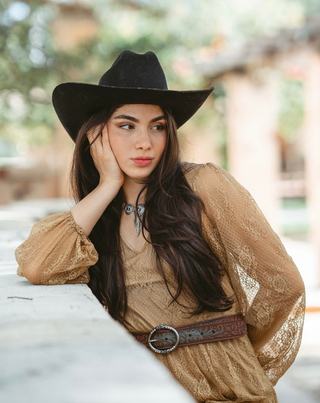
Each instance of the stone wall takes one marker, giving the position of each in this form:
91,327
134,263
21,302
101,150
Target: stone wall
58,345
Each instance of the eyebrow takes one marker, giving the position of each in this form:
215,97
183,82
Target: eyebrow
127,117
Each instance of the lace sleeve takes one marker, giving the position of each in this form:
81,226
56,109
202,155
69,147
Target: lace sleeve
266,282
56,252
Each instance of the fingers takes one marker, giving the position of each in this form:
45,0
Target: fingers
100,149
94,136
105,136
103,143
103,156
94,133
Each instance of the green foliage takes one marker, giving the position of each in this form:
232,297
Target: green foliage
311,7
291,108
27,66
294,217
180,32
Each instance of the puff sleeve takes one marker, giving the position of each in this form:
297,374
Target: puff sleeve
56,252
266,282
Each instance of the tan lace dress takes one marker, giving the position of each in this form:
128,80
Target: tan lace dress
267,286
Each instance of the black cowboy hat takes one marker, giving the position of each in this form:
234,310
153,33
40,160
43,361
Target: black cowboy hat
132,79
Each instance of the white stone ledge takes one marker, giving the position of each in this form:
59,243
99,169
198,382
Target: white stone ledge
60,346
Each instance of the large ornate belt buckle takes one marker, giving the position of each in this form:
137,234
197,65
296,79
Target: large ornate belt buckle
165,350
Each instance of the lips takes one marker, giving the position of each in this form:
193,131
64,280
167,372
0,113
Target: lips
142,161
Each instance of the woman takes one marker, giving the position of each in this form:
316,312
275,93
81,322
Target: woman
164,243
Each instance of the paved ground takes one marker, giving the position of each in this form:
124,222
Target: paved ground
301,384
302,381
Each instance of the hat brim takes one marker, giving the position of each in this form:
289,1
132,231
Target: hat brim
75,103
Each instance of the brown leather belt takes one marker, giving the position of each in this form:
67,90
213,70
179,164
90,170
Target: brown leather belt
163,339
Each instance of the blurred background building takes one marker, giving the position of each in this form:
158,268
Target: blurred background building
262,123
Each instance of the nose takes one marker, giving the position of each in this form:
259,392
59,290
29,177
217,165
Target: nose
143,140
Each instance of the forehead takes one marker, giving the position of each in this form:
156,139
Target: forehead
139,110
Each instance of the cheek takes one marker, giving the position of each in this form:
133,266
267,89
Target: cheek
162,144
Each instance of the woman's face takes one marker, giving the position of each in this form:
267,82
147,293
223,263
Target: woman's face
137,135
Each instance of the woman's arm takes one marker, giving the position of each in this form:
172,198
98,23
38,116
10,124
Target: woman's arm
58,250
87,212
266,281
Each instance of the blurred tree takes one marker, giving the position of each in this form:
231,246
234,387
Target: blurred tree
180,32
311,8
27,68
31,66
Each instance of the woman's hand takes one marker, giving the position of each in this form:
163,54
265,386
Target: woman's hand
104,158
87,212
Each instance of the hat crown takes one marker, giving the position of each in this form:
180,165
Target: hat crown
132,79
133,70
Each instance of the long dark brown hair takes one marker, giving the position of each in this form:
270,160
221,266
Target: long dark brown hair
172,218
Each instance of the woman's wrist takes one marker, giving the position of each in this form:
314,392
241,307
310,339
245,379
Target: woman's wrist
88,211
110,187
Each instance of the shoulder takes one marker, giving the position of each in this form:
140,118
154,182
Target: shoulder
216,187
204,175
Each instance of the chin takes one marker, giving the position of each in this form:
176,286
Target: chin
139,172
136,176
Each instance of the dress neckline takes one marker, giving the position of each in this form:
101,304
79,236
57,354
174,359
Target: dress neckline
130,247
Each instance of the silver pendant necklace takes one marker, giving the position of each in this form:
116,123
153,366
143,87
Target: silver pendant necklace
137,216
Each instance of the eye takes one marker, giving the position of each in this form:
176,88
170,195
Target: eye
159,127
126,126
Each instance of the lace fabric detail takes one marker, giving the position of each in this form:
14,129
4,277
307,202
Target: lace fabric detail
267,287
139,267
56,252
267,283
